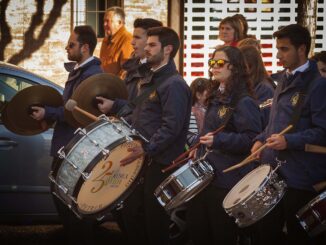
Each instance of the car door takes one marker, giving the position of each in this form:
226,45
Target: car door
24,163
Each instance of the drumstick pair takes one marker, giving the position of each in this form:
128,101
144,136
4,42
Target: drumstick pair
252,157
182,158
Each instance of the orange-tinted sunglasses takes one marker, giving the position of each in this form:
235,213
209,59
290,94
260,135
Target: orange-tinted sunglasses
220,62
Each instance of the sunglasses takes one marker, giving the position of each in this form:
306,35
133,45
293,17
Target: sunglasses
220,63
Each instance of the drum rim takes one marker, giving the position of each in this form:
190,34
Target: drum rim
262,184
123,196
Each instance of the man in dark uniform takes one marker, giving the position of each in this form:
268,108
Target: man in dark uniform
163,119
301,170
80,48
135,67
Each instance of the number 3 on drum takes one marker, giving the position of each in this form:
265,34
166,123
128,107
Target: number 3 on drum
101,177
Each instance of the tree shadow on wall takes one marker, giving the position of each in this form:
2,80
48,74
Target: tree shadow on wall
31,43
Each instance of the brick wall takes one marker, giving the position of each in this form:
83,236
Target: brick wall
48,60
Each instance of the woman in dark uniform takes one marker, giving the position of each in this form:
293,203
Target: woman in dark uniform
207,221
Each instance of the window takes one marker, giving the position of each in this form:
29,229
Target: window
91,12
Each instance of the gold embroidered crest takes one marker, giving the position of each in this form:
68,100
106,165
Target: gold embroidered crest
152,95
294,99
222,111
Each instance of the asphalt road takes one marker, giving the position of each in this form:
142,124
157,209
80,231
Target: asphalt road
51,235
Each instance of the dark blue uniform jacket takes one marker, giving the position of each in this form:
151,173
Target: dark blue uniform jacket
302,169
63,132
233,144
163,118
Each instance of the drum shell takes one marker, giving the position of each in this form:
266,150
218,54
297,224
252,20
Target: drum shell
260,202
184,184
312,216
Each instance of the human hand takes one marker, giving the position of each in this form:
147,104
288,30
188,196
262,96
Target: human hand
207,139
38,113
276,142
104,105
135,152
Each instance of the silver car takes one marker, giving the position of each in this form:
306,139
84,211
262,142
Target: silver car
24,160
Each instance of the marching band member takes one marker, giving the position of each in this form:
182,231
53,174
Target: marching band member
301,170
207,221
163,119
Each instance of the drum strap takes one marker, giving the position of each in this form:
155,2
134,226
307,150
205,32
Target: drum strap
128,108
304,90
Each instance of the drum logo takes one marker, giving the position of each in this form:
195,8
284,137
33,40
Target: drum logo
107,177
294,99
222,111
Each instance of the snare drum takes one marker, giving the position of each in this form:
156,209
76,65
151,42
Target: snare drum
184,184
254,196
312,217
88,177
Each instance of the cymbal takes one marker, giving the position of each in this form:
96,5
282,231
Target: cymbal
16,114
103,84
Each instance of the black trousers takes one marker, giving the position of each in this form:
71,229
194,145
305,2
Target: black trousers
78,231
145,221
281,226
207,221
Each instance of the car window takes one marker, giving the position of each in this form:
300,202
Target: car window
9,86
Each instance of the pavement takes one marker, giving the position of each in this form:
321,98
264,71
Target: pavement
53,235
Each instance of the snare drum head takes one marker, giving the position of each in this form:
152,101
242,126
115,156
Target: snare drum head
108,180
246,186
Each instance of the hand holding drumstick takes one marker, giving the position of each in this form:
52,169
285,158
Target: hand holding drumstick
275,141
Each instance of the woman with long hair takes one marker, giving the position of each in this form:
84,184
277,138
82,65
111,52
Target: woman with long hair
262,83
230,97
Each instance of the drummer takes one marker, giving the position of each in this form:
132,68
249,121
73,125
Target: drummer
80,48
301,170
207,221
162,118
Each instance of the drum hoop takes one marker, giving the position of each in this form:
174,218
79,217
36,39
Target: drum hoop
123,195
252,194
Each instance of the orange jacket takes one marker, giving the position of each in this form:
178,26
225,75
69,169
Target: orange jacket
114,53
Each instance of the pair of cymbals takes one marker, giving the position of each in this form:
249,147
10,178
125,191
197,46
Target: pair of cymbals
16,113
105,85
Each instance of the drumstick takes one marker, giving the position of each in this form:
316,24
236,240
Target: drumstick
315,148
320,186
72,105
251,157
180,159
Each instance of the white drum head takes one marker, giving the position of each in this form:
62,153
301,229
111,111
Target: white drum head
108,180
246,186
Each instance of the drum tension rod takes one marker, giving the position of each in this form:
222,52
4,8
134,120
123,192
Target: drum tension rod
62,155
94,142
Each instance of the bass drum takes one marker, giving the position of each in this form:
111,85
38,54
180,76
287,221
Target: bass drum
89,178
